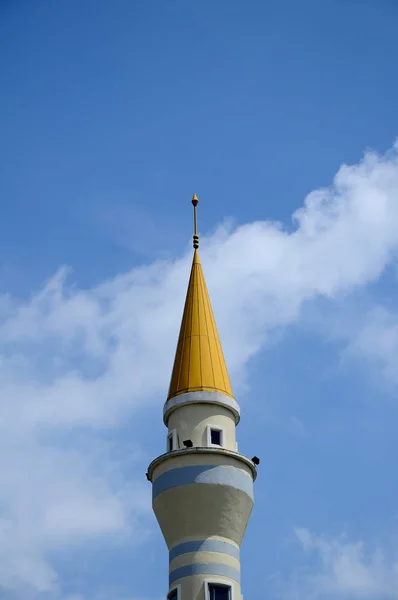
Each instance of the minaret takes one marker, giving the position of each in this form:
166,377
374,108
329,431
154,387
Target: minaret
202,487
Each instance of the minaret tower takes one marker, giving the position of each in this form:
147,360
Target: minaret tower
202,487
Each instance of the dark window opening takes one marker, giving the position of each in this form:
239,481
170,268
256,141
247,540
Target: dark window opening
173,595
219,592
170,446
215,437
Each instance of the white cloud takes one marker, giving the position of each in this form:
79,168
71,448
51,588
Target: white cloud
376,342
53,497
83,360
342,570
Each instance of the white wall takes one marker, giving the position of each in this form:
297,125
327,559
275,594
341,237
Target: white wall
191,421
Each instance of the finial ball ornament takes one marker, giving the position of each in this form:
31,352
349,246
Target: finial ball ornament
195,200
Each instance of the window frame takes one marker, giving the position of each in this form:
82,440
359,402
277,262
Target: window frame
172,435
209,582
175,588
222,436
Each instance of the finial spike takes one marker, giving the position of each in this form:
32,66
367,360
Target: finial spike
195,202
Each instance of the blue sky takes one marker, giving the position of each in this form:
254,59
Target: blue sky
111,115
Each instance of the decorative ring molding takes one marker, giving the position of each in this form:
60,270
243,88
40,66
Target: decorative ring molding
201,398
201,450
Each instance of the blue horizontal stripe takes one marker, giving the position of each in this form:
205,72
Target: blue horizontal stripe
208,474
205,569
204,546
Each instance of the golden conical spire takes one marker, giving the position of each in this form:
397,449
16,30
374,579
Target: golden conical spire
199,363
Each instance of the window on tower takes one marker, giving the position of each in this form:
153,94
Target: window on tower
173,595
217,591
216,437
172,441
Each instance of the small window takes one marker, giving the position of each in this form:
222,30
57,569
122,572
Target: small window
217,591
172,441
216,437
173,595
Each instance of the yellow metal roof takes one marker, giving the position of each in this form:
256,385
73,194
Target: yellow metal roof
199,363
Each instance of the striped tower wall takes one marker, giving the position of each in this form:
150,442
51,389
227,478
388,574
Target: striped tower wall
202,496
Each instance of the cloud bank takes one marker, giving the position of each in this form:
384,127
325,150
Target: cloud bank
77,362
342,569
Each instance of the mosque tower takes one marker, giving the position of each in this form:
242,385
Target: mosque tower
202,487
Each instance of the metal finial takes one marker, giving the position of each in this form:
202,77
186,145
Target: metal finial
195,203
